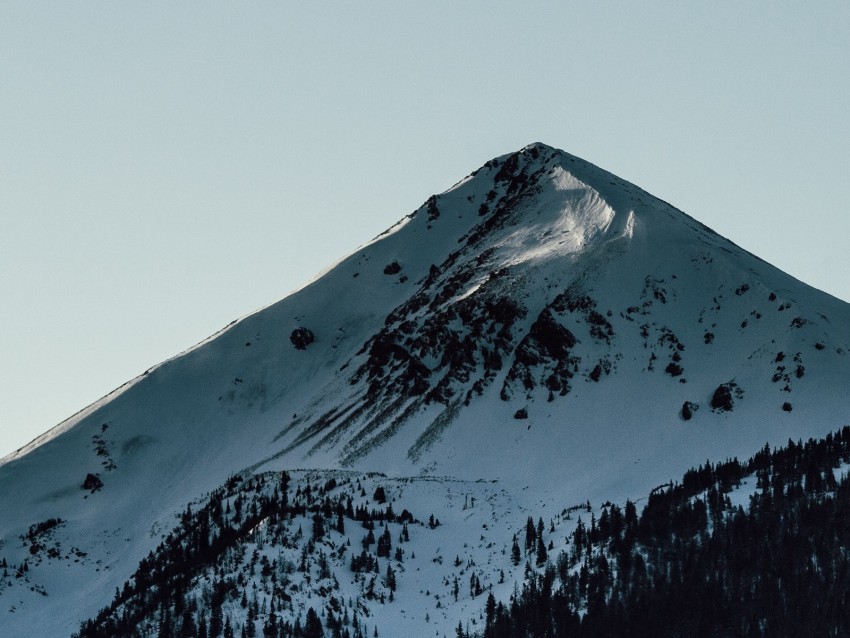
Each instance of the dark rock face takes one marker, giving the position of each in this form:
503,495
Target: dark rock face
548,343
301,338
553,338
462,337
433,210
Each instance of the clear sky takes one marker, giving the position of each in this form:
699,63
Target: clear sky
168,167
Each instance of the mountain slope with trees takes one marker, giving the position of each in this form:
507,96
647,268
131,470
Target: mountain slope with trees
696,563
755,548
540,337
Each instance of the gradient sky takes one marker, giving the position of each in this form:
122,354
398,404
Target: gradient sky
168,167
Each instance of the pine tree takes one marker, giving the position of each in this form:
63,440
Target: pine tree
187,627
270,628
166,629
541,551
530,536
489,613
385,543
216,621
250,629
390,578
515,553
313,625
318,526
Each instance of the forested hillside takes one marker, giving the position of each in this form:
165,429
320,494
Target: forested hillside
695,562
755,548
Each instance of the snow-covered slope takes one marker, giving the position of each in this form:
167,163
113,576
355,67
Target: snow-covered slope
543,325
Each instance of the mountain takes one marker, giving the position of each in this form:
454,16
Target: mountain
541,336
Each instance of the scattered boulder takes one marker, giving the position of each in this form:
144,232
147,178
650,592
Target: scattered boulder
688,410
674,369
787,407
520,414
722,400
301,338
596,373
92,483
392,268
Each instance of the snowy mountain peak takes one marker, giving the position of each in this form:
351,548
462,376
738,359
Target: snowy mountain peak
542,326
548,272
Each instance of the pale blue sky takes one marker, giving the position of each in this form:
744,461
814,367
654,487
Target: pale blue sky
168,167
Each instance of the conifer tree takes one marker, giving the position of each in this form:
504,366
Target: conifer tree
541,551
515,553
313,625
530,535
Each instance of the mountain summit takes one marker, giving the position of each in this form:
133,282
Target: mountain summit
543,326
